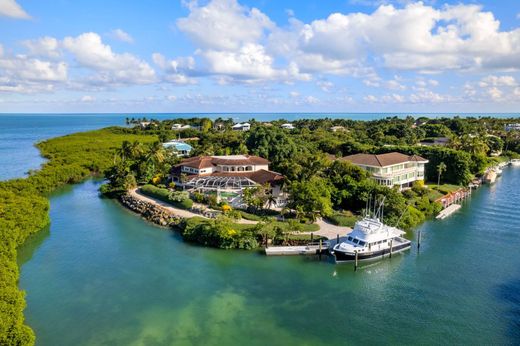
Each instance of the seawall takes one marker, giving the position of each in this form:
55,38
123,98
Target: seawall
150,212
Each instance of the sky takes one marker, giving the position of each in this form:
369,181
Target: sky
108,56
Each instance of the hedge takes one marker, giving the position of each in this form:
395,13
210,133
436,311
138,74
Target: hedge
164,195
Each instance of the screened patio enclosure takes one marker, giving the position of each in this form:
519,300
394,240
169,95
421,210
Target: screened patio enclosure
219,183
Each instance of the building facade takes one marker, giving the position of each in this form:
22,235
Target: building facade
228,176
392,168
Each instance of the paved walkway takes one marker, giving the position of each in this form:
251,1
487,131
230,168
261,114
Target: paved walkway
176,211
331,231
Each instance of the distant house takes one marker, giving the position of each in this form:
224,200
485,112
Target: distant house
287,126
392,168
513,127
146,124
242,127
181,148
337,128
179,127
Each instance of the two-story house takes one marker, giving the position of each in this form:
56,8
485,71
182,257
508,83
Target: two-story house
227,175
392,168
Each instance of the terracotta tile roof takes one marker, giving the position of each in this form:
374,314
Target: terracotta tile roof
382,160
209,161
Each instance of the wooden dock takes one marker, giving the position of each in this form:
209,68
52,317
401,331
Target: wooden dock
310,249
448,211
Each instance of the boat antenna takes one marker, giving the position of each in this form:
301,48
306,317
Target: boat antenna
379,213
400,217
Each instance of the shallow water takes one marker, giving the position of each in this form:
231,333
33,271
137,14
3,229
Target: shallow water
103,276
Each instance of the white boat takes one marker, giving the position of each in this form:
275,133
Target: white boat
515,162
370,239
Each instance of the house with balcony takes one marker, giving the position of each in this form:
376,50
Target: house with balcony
392,168
227,176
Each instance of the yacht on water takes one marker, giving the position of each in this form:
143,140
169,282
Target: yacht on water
371,239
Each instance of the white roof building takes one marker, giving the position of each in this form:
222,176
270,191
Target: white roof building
287,126
242,127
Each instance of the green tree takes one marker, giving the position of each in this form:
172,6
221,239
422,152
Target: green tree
441,168
311,197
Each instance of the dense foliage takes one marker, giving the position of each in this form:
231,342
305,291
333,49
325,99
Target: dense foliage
24,210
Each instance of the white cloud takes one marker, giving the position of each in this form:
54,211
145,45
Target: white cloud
416,37
171,98
120,35
325,85
311,100
294,94
113,68
10,8
224,25
495,93
88,98
370,98
491,80
45,47
176,71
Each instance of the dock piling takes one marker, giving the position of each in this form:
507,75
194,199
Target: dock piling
391,247
419,240
337,238
356,263
319,251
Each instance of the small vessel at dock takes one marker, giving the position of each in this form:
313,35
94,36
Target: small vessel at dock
515,162
370,239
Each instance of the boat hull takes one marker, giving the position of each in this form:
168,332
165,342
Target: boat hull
341,256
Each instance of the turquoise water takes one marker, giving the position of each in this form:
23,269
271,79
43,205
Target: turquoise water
99,275
102,276
18,132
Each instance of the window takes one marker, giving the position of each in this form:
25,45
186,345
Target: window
249,168
240,169
349,238
356,241
362,243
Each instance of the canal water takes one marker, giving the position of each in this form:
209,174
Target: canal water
102,276
99,275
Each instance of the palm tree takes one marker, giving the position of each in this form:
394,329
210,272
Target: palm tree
441,168
155,155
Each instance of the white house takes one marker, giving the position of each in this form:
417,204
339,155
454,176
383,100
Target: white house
228,176
179,127
242,127
337,128
392,168
287,126
513,127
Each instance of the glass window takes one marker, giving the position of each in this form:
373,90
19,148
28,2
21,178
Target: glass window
356,241
349,238
362,243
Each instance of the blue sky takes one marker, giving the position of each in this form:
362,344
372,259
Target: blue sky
271,56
